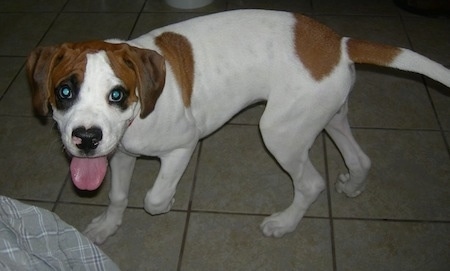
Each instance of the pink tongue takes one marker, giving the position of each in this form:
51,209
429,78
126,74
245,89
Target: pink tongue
88,173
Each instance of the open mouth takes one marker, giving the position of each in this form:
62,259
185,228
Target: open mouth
87,169
88,173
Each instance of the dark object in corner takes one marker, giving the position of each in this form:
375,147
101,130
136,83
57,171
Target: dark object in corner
429,8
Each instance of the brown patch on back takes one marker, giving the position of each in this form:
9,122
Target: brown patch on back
178,52
366,52
317,46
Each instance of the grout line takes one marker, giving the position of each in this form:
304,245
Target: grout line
214,212
58,13
12,81
436,115
427,88
311,5
92,204
330,206
392,220
137,20
403,23
324,14
396,129
58,198
7,89
341,218
188,212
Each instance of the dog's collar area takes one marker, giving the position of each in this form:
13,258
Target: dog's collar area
122,149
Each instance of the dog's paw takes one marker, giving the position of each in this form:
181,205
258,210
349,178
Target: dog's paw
156,208
277,225
101,228
344,185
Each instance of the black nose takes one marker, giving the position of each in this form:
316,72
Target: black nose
87,139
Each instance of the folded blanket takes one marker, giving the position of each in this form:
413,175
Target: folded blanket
33,238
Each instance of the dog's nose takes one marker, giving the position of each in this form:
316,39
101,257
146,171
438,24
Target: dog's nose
87,139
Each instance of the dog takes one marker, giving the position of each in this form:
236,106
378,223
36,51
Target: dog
159,94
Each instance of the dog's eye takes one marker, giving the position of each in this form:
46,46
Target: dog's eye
65,92
116,95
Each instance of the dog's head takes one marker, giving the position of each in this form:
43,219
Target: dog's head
95,90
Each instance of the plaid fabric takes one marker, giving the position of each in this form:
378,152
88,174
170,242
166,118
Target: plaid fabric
32,238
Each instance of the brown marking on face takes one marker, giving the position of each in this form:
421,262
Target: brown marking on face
317,46
123,70
361,51
140,69
178,52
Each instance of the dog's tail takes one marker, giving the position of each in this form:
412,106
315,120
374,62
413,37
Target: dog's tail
365,52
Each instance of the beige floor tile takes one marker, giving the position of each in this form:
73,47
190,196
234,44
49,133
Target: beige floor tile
355,7
441,100
73,27
143,242
250,115
234,242
21,32
32,165
408,179
430,37
17,101
9,67
237,174
390,99
380,245
32,6
149,21
294,6
104,6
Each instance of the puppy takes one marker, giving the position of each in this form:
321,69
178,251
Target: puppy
158,94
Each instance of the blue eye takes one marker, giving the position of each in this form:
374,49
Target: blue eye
65,92
116,95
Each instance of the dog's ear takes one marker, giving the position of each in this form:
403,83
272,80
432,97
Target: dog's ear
39,65
150,70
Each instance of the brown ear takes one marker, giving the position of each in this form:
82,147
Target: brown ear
38,68
150,70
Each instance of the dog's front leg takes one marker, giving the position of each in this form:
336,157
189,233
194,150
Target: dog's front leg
160,198
106,224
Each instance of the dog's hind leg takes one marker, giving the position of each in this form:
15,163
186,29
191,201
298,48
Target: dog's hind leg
306,190
291,149
358,163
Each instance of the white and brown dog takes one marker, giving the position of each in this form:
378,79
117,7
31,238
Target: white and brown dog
159,94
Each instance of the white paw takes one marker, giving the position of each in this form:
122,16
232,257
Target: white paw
343,184
156,208
277,225
102,227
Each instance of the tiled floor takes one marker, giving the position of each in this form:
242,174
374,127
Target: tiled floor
401,222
